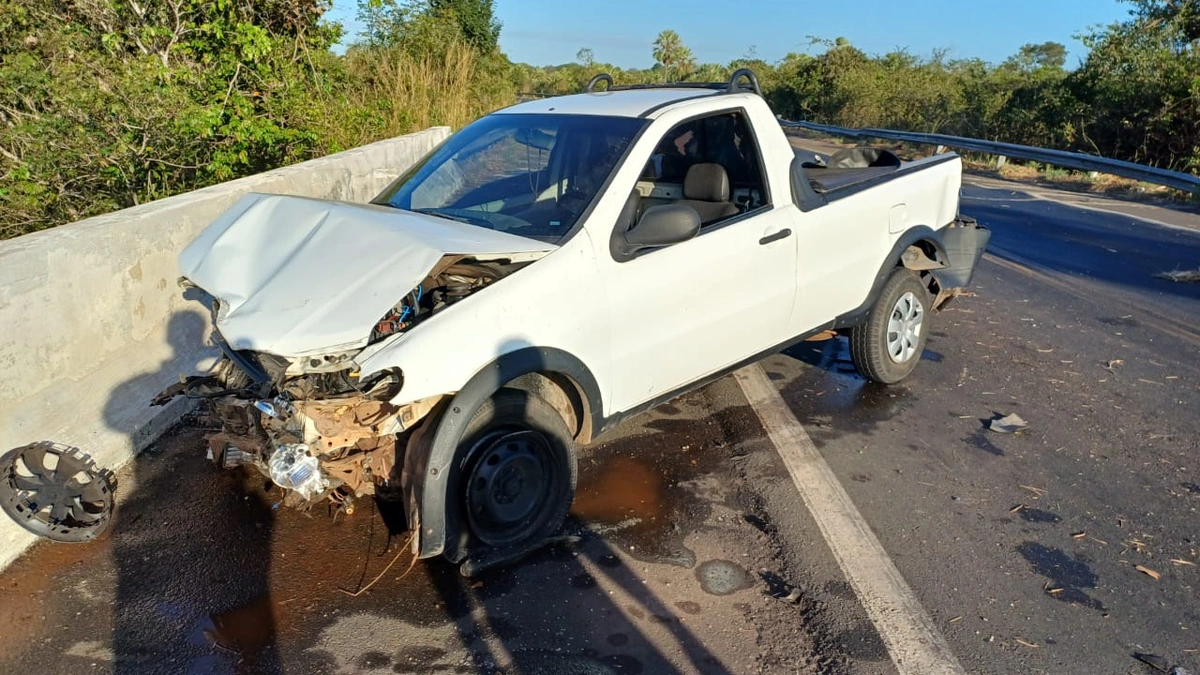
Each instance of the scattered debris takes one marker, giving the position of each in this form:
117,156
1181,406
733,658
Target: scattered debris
1181,276
1181,561
1016,508
1040,492
955,619
1148,572
1027,644
1009,424
1139,546
1098,541
1153,660
1079,535
1112,365
403,547
793,597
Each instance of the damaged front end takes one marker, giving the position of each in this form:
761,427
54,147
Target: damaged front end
319,281
320,437
314,425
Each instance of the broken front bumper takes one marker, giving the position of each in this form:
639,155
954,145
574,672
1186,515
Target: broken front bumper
311,437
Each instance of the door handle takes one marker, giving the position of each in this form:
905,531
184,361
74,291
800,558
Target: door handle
782,234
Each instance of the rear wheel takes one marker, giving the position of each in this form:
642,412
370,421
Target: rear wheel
518,472
887,346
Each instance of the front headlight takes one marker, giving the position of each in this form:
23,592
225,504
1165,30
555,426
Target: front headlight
323,363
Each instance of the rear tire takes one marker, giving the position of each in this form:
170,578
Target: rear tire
888,345
518,472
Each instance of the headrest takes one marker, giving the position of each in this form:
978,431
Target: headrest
706,182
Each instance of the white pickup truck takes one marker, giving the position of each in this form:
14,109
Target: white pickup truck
550,270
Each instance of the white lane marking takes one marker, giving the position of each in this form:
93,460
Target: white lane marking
915,644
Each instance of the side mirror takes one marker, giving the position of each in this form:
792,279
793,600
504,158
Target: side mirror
659,226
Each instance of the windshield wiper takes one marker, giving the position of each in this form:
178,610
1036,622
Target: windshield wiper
438,213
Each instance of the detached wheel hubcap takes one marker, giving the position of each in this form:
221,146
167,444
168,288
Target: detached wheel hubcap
904,328
56,491
508,486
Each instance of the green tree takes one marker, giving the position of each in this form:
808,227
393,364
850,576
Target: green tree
109,104
1184,14
675,58
1138,91
423,26
1048,55
476,21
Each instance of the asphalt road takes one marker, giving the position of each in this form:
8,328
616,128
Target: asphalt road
692,551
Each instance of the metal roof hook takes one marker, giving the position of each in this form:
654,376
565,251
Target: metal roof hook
739,74
602,77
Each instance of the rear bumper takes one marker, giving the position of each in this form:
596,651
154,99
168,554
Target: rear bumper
964,242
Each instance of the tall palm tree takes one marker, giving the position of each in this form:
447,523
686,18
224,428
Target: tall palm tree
676,59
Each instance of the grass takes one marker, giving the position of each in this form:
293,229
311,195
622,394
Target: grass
396,92
1076,181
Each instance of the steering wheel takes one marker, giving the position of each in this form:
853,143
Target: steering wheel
573,201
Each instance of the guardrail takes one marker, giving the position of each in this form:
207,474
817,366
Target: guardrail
1070,160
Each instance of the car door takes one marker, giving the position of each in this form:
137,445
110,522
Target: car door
684,311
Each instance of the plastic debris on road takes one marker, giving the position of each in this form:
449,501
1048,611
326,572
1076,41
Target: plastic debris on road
1009,424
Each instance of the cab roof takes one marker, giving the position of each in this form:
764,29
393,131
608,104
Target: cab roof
619,103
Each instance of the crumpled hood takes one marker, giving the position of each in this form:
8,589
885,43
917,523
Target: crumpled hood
299,276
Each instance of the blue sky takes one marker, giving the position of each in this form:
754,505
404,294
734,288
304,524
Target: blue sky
546,32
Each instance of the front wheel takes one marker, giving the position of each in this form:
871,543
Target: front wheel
518,472
887,346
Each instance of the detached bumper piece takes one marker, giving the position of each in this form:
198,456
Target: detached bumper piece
964,240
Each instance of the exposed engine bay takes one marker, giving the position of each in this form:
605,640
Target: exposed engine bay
450,281
317,427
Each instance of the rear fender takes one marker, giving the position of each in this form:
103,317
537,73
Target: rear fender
895,258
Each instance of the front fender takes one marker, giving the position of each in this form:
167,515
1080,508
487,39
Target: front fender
438,515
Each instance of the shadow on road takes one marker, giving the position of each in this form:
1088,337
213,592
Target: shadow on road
558,613
210,578
191,551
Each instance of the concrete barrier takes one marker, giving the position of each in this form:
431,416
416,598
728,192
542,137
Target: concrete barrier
92,323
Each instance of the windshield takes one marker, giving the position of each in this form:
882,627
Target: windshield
529,175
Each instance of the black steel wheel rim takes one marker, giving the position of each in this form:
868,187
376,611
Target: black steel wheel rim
56,491
512,480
